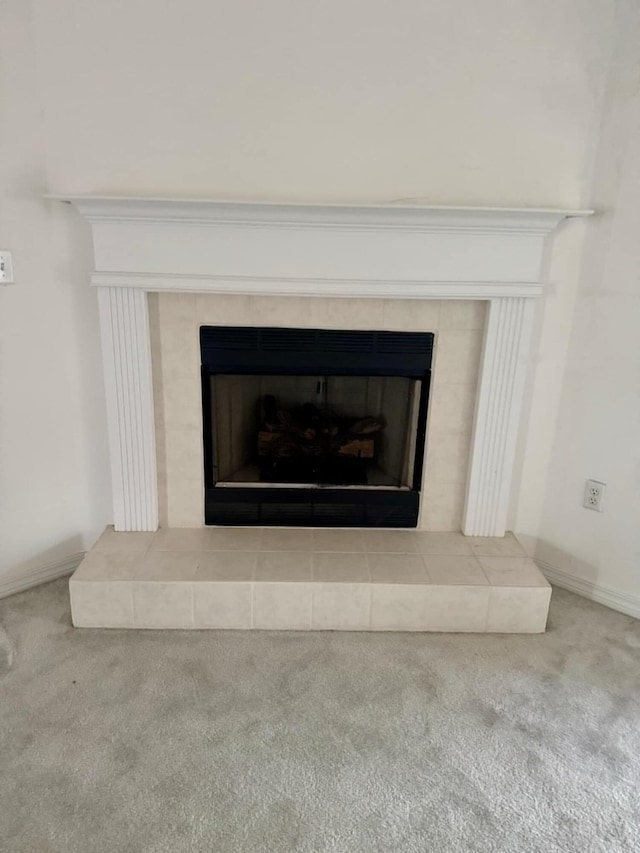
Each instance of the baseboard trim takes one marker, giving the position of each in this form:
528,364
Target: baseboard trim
624,602
34,577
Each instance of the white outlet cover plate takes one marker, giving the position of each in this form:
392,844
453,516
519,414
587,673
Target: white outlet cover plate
594,495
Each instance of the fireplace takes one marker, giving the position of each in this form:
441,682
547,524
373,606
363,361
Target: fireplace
314,427
317,324
395,263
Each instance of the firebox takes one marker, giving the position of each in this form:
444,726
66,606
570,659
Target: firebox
314,427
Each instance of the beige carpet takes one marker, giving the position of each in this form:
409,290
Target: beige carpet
349,743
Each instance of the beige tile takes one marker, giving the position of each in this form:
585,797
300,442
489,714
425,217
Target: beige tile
161,451
461,608
345,313
458,356
399,608
512,571
153,303
443,544
214,309
496,546
182,402
397,568
335,567
330,539
340,607
452,408
181,539
176,306
226,566
518,611
185,502
109,565
183,454
448,457
282,606
180,348
283,566
390,541
455,570
100,604
163,508
235,538
162,605
222,605
411,315
462,314
170,566
442,506
112,541
286,539
280,311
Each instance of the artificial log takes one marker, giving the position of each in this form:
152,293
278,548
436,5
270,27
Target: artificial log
287,444
360,447
268,440
307,431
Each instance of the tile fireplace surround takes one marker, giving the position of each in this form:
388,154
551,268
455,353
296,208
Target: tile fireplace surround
163,267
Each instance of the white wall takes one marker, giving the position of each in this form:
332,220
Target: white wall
453,101
448,102
598,432
53,477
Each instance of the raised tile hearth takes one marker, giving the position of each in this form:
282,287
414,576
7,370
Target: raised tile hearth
309,579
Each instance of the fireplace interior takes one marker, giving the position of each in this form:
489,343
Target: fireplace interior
308,427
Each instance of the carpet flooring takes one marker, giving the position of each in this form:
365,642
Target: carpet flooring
151,741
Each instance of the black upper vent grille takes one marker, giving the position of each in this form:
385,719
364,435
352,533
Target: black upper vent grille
238,349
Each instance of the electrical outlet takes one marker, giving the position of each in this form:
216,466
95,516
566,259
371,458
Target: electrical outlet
594,495
6,268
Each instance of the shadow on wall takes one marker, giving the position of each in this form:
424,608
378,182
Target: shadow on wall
563,569
58,560
554,558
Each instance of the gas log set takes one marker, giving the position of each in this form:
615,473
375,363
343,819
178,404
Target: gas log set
306,441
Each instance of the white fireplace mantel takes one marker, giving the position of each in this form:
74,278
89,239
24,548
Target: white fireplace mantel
391,251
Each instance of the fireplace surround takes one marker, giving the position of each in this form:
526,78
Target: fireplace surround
333,253
176,323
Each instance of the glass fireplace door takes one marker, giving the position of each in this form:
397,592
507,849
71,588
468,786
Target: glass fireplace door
314,430
313,427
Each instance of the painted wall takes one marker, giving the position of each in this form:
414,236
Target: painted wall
54,483
598,433
447,102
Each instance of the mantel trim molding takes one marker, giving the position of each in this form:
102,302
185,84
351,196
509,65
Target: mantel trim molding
297,214
334,287
372,251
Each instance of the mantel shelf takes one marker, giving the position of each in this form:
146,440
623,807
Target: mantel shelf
394,215
395,250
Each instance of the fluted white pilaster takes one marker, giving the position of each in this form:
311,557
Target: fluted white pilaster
501,385
126,352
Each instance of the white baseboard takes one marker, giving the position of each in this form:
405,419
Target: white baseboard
614,598
34,577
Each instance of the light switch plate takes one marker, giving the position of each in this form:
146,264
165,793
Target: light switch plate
6,267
